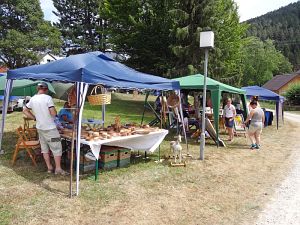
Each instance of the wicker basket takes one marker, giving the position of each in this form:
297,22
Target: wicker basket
99,99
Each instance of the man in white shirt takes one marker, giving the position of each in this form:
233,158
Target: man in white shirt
228,116
44,111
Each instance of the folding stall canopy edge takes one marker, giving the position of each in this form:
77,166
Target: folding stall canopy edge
196,82
266,94
85,69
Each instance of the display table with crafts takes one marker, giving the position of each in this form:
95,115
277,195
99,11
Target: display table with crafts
130,137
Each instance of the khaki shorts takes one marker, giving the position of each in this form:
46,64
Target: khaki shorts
50,139
255,128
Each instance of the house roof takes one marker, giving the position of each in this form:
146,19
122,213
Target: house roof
3,69
279,81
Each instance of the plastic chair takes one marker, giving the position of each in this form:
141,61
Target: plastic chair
25,144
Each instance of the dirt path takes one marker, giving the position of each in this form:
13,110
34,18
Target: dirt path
285,204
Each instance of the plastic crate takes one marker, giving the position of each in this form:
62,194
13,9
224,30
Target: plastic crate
124,157
124,162
108,165
124,154
108,154
87,166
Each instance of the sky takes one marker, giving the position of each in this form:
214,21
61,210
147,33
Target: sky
253,8
247,8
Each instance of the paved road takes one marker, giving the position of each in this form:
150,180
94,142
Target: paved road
284,208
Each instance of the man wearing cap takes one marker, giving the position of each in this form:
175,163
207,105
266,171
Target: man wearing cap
44,111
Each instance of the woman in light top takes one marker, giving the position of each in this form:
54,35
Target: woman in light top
228,116
257,118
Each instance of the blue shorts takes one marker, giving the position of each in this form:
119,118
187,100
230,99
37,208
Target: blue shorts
229,123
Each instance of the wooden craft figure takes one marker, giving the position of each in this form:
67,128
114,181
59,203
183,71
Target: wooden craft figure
177,149
118,124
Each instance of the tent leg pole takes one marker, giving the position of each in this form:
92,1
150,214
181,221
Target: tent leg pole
202,143
72,160
159,153
103,115
184,131
8,88
96,169
145,102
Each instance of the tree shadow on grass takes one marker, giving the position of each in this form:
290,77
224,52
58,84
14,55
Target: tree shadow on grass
24,167
38,175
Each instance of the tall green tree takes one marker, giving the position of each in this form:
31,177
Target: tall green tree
282,26
220,16
81,25
261,61
24,34
141,31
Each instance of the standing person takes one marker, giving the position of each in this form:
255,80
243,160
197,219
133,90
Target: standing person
44,111
253,98
228,116
257,118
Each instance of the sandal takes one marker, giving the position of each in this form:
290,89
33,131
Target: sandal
61,172
50,171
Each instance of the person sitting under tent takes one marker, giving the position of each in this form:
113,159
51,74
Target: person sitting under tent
157,104
65,115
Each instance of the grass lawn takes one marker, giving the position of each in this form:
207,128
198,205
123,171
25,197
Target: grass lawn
230,187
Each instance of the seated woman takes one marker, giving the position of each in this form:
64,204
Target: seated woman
65,115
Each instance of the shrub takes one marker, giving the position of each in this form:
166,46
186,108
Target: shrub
293,94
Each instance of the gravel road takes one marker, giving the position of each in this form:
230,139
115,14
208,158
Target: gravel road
284,207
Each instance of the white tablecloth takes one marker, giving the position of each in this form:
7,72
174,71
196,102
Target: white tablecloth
144,142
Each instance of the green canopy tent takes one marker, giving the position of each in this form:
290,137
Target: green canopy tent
23,87
196,82
61,90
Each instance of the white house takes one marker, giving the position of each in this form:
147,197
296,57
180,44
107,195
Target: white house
49,58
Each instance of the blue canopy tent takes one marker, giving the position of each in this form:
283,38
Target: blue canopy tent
265,94
85,69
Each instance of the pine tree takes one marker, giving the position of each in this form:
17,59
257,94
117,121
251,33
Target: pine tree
81,25
281,26
141,31
219,16
24,34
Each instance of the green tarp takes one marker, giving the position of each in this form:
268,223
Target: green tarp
196,82
23,87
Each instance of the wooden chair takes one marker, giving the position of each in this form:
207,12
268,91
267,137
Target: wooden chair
25,144
31,132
